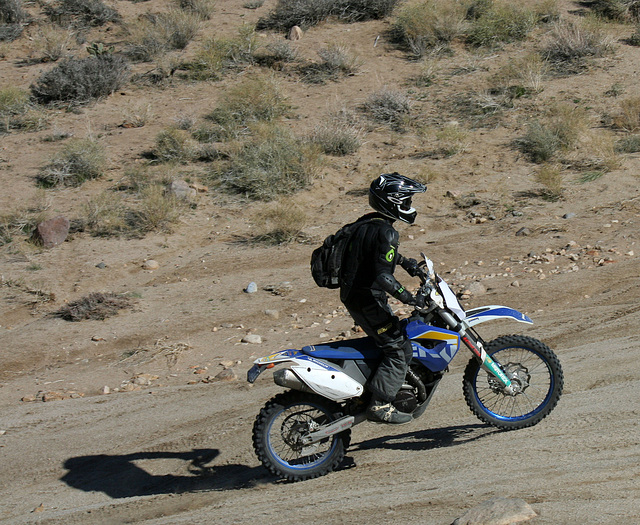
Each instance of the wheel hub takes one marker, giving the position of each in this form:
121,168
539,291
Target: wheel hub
519,376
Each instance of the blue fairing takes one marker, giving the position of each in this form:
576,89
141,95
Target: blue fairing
361,348
490,313
433,347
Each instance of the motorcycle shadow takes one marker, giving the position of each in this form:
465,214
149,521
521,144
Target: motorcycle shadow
428,439
120,476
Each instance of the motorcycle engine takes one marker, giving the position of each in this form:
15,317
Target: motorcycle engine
406,401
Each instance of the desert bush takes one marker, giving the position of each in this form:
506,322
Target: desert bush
501,22
628,118
520,76
18,113
80,160
281,224
621,10
81,12
105,215
12,19
22,222
155,34
256,99
270,163
630,144
572,42
202,8
550,177
423,26
254,4
136,114
174,145
79,81
389,107
51,43
307,13
451,140
96,305
216,55
634,39
335,62
339,134
427,71
157,210
560,130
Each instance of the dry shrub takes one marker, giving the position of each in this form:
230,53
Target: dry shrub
426,25
157,210
79,81
630,144
18,113
136,114
51,43
22,222
281,224
335,61
572,42
79,161
105,215
81,13
339,134
307,13
156,34
560,130
270,163
389,107
174,145
202,8
96,306
520,76
500,22
259,98
550,177
12,19
620,10
628,118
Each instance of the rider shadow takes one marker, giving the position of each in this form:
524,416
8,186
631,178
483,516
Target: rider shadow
429,439
121,477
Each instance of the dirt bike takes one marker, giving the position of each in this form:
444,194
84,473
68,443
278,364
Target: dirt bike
510,383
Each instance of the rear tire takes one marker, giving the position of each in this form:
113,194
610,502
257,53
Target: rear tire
532,366
280,425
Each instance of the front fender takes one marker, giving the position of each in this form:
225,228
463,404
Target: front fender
493,312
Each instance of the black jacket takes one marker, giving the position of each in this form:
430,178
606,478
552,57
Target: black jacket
370,261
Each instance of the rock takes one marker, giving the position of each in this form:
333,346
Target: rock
52,232
251,288
523,232
252,339
466,201
181,190
143,379
279,289
39,508
28,399
101,265
515,284
295,33
272,314
150,264
105,390
497,511
569,215
199,187
227,363
476,288
53,396
226,375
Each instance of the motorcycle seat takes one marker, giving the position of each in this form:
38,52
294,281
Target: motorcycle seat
350,349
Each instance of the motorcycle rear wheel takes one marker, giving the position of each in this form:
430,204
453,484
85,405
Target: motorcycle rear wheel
537,372
280,425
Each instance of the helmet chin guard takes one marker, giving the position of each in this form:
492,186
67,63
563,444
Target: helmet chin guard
390,194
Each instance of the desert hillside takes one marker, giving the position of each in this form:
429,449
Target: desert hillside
188,149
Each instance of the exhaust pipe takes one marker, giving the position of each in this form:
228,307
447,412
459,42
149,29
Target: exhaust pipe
286,378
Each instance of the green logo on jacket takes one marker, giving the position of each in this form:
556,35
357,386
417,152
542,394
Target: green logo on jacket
391,254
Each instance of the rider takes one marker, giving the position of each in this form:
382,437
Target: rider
367,277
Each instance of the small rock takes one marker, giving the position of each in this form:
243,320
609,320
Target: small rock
295,33
476,288
52,232
143,379
279,289
150,264
273,314
101,265
3,432
97,338
181,190
252,339
227,364
105,390
515,284
199,187
200,370
251,288
226,375
523,232
569,215
497,511
54,396
39,508
28,399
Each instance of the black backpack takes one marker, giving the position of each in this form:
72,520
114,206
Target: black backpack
326,260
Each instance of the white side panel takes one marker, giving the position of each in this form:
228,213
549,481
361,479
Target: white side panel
332,384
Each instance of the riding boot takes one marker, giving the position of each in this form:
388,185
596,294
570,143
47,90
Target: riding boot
381,412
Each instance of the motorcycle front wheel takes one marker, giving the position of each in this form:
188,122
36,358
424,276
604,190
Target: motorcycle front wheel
281,424
534,369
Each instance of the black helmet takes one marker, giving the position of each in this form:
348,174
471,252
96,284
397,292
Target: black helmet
390,194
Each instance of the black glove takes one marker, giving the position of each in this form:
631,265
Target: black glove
418,300
410,266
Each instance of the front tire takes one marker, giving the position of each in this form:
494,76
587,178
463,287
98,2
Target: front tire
532,366
280,425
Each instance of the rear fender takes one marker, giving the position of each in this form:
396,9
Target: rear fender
494,312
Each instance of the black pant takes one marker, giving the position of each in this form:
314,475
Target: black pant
373,314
